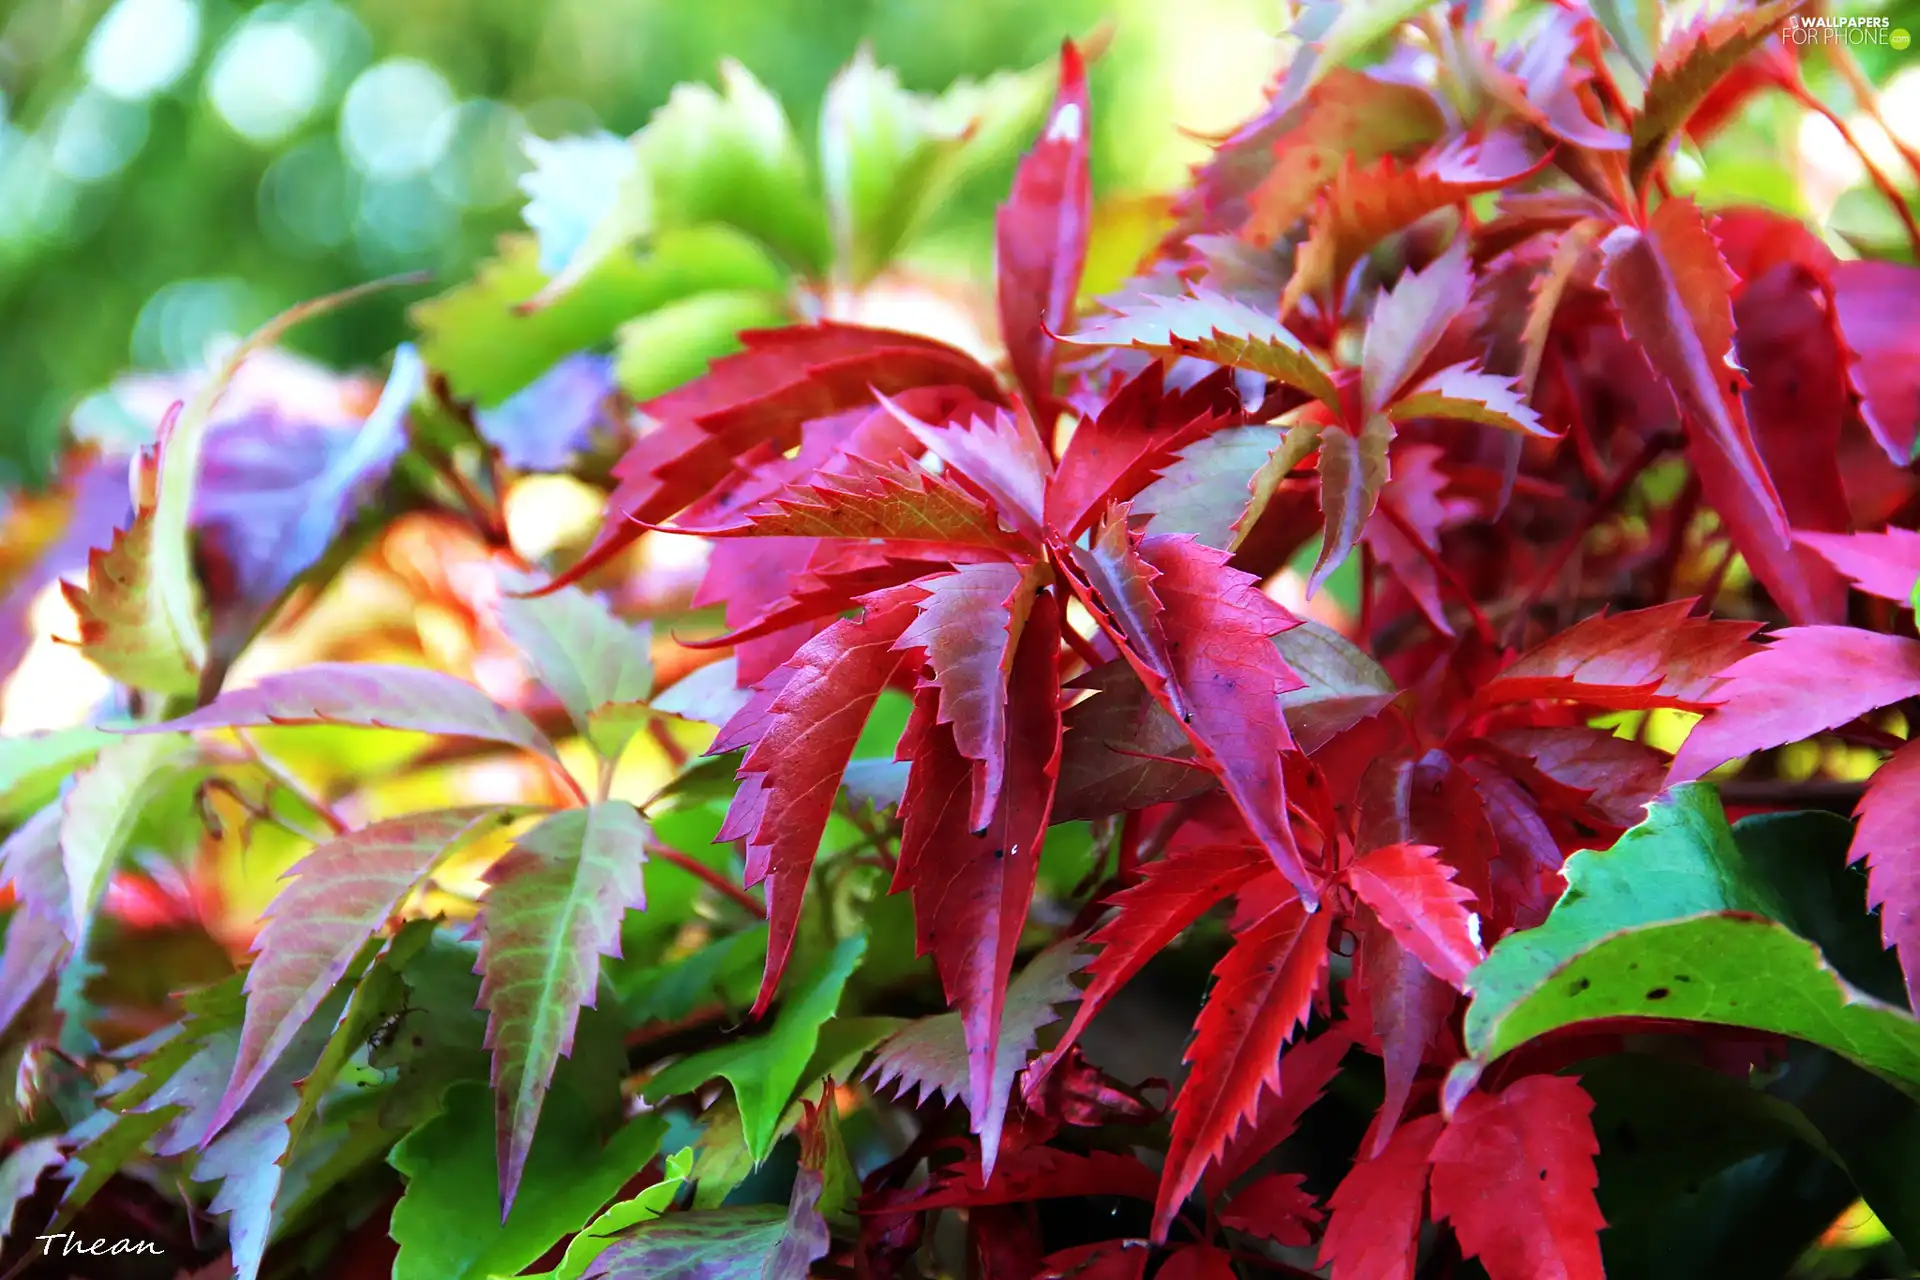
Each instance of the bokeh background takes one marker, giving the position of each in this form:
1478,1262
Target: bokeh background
172,171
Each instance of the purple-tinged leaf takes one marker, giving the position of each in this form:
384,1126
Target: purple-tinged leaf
1003,455
1672,288
370,695
1343,686
599,666
553,909
340,895
1408,322
21,1172
708,695
544,426
1217,329
1122,750
97,504
32,947
30,861
1464,393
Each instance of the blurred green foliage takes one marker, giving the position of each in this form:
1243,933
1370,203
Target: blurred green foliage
172,170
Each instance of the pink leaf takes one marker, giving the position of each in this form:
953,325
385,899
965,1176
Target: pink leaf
1874,301
1657,657
1465,393
1888,837
1884,564
1408,322
371,695
1807,680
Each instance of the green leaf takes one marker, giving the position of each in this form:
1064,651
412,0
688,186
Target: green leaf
1694,59
674,344
1674,922
32,767
1634,27
889,157
765,1070
481,337
553,909
599,666
645,1207
101,811
448,1222
706,156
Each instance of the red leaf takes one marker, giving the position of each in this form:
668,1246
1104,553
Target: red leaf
1220,630
899,503
1874,301
800,729
969,625
1277,1208
1514,1174
1807,680
971,891
1413,494
1693,60
1122,751
1366,204
1408,322
1263,990
1115,453
1656,657
1041,1173
1305,1072
1409,1008
1041,237
1884,564
1220,330
1198,1262
1673,291
1373,1230
1466,393
763,395
1353,470
1109,1260
1172,894
1415,897
1573,765
1888,837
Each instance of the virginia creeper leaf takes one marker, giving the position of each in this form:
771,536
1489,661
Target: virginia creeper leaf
1408,322
371,695
1514,1173
1277,1208
21,1172
600,667
101,810
1263,990
1884,564
1872,301
1888,838
1657,657
1172,894
1806,680
1692,60
338,897
1415,897
446,1222
765,1070
801,729
553,908
32,947
1373,1226
1217,329
1353,470
1041,236
1463,393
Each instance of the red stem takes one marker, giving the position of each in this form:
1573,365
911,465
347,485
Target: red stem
1880,180
1440,567
1599,509
701,871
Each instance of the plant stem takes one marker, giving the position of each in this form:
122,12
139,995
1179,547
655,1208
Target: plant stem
1880,180
1868,99
282,777
1440,567
701,871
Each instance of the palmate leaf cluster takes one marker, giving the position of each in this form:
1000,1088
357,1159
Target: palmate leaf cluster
779,910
